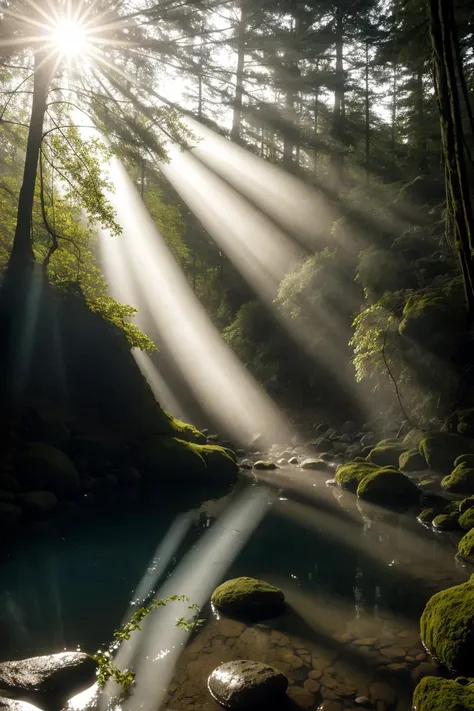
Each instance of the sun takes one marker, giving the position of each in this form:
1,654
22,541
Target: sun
70,38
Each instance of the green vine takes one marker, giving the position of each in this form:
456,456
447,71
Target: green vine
108,670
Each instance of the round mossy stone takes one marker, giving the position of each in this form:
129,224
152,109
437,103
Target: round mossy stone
427,515
466,504
264,466
441,449
349,475
446,522
466,520
447,626
466,547
460,481
248,597
435,694
388,486
412,461
245,684
386,454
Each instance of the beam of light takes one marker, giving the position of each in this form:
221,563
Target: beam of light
157,383
143,262
70,37
154,651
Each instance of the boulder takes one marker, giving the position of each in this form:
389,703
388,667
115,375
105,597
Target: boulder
249,598
386,455
45,467
466,422
460,481
465,459
48,679
435,694
322,427
348,427
466,547
37,503
466,504
10,516
264,466
388,486
412,461
427,515
282,462
440,449
466,520
446,522
316,464
447,627
413,438
245,684
368,440
349,475
293,460
246,464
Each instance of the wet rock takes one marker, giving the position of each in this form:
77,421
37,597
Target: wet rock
384,693
240,452
231,628
282,462
45,467
264,465
302,698
348,427
54,677
368,440
366,641
286,454
330,706
316,464
37,503
7,496
425,669
322,427
434,694
315,674
394,652
293,460
312,686
362,701
9,483
248,597
420,657
246,464
244,683
129,476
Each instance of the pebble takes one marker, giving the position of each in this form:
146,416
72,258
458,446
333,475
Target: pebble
362,701
302,698
315,674
231,628
383,692
312,686
420,657
366,642
424,669
293,460
343,637
394,652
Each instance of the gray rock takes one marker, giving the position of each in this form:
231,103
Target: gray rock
362,701
368,440
282,462
293,460
348,427
322,428
240,452
320,445
129,476
383,692
331,432
37,503
244,683
49,679
316,464
246,464
264,465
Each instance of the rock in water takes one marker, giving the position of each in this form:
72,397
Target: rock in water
246,684
55,677
248,597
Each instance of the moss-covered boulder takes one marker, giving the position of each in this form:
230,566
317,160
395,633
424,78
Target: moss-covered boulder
388,486
184,431
466,520
44,467
349,475
162,457
248,597
427,515
413,438
386,455
464,459
412,461
430,321
466,504
466,547
446,522
435,694
466,422
264,466
440,449
460,481
447,627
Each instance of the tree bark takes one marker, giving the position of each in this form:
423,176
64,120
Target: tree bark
367,115
337,159
235,133
22,250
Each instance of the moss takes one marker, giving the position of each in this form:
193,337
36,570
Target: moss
447,626
466,548
460,481
430,321
388,486
413,438
435,694
184,431
265,466
45,467
427,515
440,449
248,597
386,454
464,459
466,520
446,522
349,475
412,461
168,456
466,504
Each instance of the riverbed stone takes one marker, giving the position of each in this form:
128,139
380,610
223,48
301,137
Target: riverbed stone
248,597
329,705
231,628
293,460
388,486
301,697
245,683
264,465
316,464
55,676
379,691
425,669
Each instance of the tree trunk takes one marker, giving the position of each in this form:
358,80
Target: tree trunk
22,250
337,158
316,122
239,79
459,207
420,122
291,133
367,116
394,110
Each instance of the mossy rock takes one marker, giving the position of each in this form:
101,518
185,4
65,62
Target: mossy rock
466,547
412,461
45,467
386,455
264,466
427,515
169,456
451,508
447,626
413,438
441,449
388,486
430,321
460,481
466,504
184,431
436,694
349,475
248,597
466,520
446,522
466,422
464,459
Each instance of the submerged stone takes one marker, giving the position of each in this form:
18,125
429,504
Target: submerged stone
247,684
435,694
466,504
427,515
248,597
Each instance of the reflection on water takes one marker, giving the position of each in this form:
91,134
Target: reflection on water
356,579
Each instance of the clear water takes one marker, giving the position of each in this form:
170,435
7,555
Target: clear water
346,571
